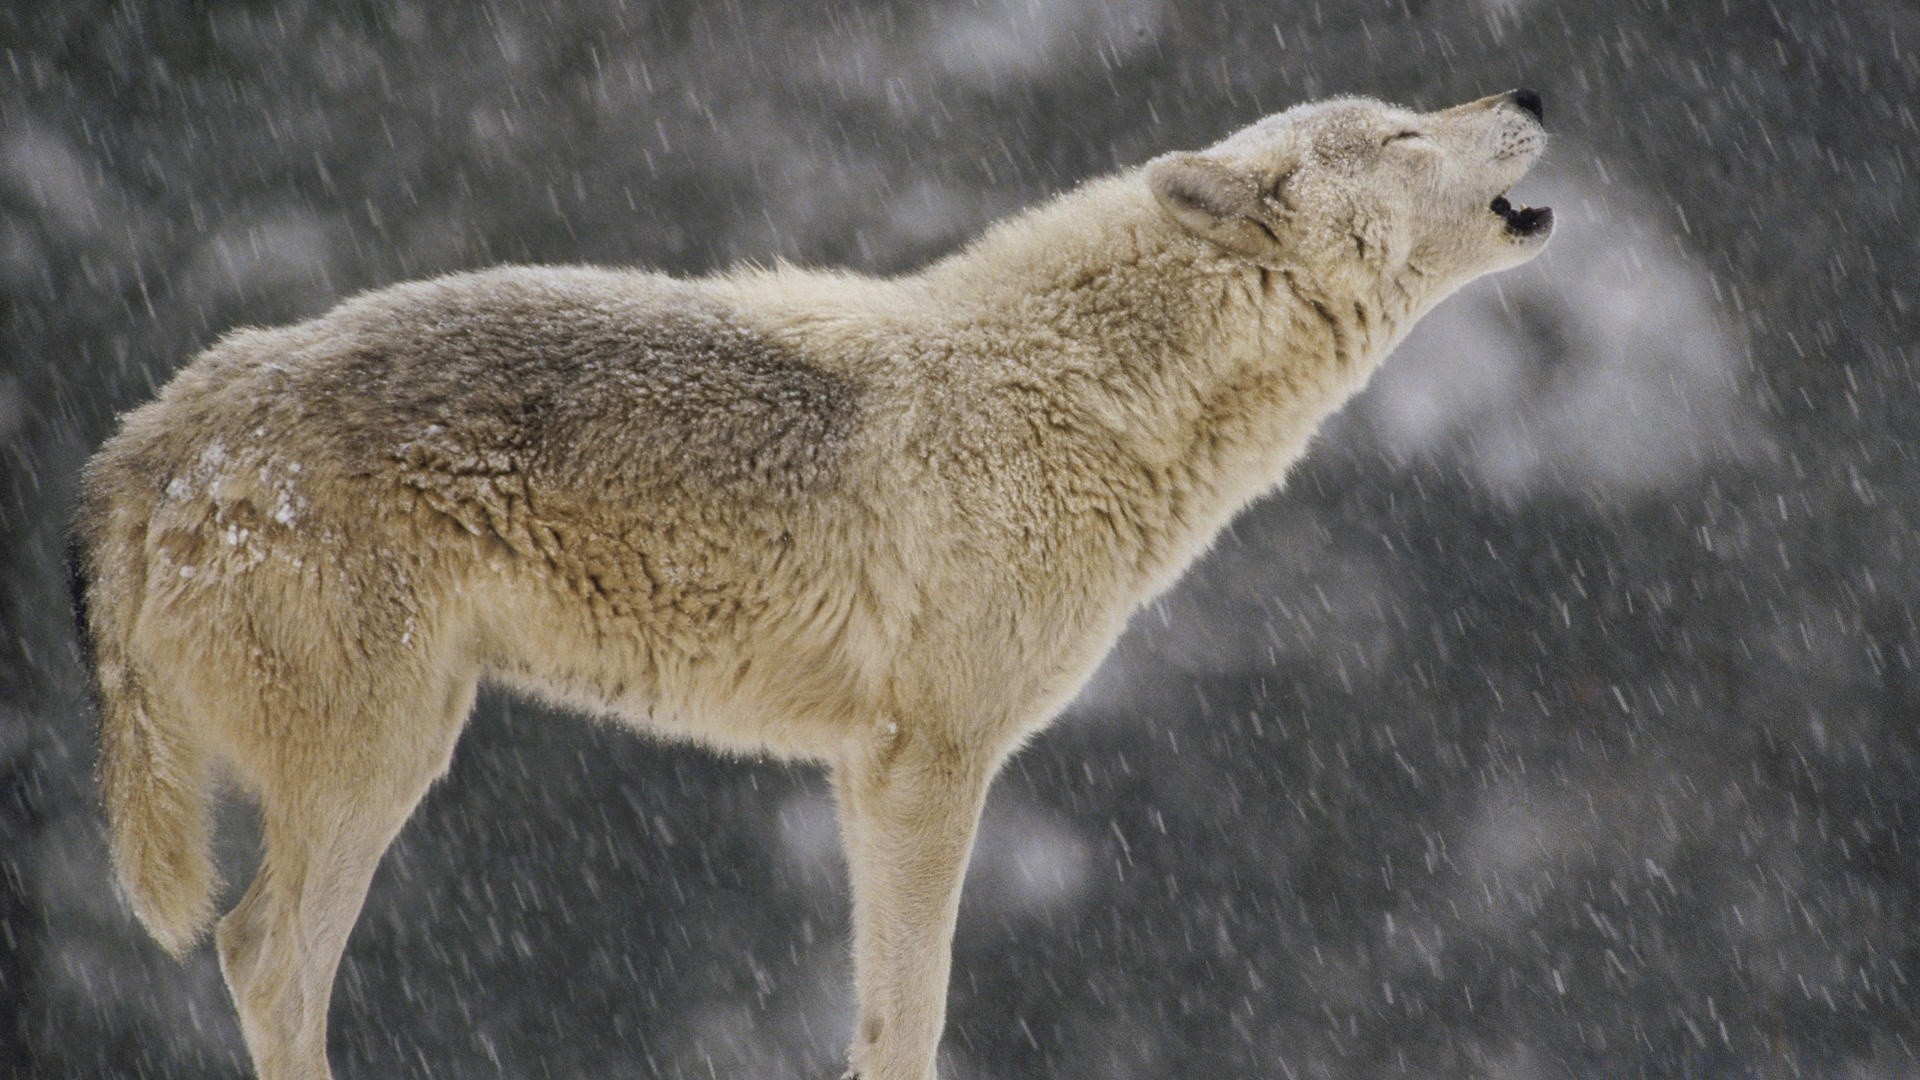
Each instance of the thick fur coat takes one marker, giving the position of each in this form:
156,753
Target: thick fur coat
887,525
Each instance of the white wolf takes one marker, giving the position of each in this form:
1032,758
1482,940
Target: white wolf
887,525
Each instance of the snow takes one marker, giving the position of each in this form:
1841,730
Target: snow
1557,720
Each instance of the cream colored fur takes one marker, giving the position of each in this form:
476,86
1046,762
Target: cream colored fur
887,525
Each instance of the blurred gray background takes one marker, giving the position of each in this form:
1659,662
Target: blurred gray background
1558,720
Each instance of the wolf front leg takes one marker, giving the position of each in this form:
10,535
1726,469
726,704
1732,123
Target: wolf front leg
908,812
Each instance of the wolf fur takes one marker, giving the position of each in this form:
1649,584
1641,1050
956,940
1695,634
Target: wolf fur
887,525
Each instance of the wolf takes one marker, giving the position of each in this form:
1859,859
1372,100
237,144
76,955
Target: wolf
886,525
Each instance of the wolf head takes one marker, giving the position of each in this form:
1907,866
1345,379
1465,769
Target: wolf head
1367,199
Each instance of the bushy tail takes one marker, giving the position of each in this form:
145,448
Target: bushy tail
152,776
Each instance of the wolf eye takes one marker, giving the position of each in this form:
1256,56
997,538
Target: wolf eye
1398,135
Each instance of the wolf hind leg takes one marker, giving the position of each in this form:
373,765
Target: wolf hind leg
323,835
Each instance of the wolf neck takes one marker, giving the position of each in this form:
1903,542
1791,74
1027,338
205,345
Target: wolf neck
1206,375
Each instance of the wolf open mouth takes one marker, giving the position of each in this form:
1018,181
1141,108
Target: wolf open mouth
1522,220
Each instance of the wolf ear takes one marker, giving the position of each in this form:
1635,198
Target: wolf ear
1214,201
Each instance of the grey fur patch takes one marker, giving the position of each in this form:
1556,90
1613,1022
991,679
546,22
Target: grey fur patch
591,394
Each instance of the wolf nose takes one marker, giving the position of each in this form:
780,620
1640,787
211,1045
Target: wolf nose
1529,101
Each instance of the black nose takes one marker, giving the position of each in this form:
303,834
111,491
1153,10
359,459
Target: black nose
1528,100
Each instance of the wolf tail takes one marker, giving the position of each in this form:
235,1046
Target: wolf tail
152,774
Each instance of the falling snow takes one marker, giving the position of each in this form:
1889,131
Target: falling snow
1558,720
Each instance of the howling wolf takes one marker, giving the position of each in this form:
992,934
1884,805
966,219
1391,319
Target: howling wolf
889,525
